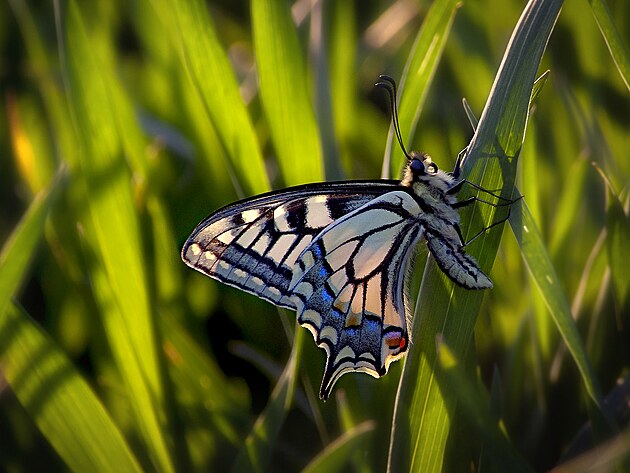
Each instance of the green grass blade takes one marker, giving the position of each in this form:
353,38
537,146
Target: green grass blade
224,408
569,205
544,276
61,403
418,75
112,231
54,103
617,241
335,456
18,250
347,419
212,75
423,409
539,85
618,226
284,91
613,39
475,404
343,76
258,447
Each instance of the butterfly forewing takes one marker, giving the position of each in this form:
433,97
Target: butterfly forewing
254,244
349,286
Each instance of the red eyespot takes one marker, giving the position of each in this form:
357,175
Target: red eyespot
395,341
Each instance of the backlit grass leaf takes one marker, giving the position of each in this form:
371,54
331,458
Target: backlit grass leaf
614,41
61,403
19,249
475,405
284,91
112,230
544,276
257,449
423,407
416,79
335,456
212,75
617,241
45,382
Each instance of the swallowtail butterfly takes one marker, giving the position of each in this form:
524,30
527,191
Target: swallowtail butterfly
338,254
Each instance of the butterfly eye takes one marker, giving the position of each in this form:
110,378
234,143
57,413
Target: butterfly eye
416,166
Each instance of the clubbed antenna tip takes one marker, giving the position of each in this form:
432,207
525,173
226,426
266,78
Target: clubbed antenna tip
389,84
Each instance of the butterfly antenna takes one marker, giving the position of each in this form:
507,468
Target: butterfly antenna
389,85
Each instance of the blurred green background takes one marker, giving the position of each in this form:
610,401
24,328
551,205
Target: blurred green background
126,123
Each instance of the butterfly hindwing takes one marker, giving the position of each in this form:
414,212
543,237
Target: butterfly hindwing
349,286
254,244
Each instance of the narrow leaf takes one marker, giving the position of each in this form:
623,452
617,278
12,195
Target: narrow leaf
112,230
335,456
617,241
258,447
419,70
61,403
544,276
475,404
423,407
18,251
212,76
285,93
613,39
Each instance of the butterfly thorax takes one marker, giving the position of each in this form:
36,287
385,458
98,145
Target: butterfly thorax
431,188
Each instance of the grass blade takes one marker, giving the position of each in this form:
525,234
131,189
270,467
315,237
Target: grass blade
213,77
285,94
423,409
336,455
612,38
61,403
475,405
112,231
258,447
418,75
19,249
617,241
544,276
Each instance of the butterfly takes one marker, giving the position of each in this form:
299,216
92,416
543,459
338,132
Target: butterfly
339,254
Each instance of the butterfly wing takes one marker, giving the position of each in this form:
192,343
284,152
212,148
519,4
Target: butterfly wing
254,244
349,286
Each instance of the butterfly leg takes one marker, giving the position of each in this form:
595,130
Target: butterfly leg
457,170
470,200
458,187
498,222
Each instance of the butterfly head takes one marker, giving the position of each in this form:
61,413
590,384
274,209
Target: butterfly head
422,172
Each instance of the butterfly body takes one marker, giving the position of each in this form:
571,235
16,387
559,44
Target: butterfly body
339,254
